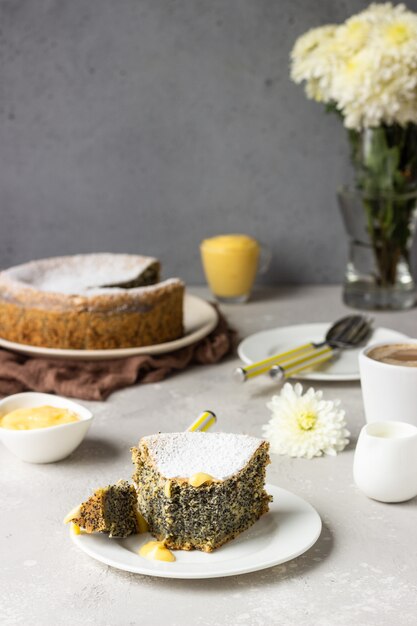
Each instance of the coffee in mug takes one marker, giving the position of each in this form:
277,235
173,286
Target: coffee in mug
389,382
396,354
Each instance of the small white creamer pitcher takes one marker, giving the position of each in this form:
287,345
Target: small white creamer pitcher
385,461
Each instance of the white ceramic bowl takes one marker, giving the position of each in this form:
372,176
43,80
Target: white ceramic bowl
44,445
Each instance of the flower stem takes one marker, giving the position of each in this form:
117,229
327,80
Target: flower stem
385,162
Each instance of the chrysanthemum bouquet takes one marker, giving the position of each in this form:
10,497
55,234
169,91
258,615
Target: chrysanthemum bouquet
366,70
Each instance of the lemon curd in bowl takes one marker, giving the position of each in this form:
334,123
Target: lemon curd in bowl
42,428
45,416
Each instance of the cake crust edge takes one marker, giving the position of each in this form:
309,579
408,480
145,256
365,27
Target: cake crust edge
122,318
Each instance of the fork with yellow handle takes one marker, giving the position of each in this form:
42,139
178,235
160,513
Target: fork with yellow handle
347,332
288,363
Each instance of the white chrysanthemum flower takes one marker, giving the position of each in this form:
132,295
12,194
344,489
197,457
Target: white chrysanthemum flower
314,60
312,39
378,12
305,425
366,67
353,36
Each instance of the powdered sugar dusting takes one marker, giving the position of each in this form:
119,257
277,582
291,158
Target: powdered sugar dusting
180,455
81,274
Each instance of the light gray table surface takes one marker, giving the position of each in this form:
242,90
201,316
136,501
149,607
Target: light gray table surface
362,570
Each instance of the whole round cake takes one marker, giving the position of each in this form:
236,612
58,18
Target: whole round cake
91,302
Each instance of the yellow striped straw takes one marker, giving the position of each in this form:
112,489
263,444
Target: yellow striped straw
204,421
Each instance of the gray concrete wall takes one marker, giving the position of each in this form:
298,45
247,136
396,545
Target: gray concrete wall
147,125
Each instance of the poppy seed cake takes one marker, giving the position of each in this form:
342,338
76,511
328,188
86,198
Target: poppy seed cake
199,490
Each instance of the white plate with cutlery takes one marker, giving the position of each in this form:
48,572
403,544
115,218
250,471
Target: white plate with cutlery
343,367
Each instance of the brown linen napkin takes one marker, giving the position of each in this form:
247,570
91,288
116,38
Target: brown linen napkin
96,380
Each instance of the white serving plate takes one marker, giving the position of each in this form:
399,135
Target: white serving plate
200,318
290,528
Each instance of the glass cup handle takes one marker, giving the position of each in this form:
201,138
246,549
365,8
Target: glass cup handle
265,258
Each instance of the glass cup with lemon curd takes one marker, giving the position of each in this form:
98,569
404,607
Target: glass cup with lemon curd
230,264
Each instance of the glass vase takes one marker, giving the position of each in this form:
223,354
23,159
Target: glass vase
380,228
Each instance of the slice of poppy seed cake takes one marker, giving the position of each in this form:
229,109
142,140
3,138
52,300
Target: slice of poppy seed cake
111,509
199,490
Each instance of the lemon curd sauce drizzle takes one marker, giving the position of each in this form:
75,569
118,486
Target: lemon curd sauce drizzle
200,478
156,551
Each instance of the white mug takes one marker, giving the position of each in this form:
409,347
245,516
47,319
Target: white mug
389,391
385,461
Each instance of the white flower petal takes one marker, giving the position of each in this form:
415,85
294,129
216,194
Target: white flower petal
321,428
